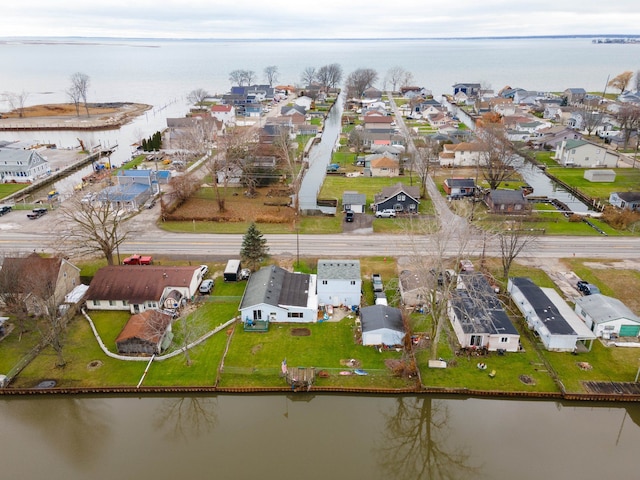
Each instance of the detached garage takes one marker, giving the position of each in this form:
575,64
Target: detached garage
607,316
381,325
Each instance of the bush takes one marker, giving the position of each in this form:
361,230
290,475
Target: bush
619,219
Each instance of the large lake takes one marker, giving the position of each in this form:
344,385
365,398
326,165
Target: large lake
297,436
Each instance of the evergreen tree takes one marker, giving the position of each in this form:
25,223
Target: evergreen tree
254,247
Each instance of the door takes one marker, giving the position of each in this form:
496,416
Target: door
629,330
476,341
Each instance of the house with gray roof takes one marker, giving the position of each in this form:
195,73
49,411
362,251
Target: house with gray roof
339,282
274,294
628,200
574,95
353,201
581,153
553,320
21,166
507,201
399,197
381,325
607,316
477,316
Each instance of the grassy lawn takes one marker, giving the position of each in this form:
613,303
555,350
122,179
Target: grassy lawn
7,189
626,179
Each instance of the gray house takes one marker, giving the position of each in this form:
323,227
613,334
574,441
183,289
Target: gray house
339,282
399,197
354,201
629,200
507,201
607,316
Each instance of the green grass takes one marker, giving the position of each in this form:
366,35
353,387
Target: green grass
626,179
7,189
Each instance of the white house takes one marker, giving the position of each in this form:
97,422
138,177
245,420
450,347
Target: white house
464,154
478,318
628,200
607,316
137,288
580,153
354,201
339,282
21,166
224,113
381,325
274,294
557,325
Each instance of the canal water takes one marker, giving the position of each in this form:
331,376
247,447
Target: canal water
543,186
315,437
320,156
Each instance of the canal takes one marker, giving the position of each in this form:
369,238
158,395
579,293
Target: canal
315,437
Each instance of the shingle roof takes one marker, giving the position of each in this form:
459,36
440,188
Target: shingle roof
605,309
388,192
149,326
137,283
354,198
339,270
276,286
376,317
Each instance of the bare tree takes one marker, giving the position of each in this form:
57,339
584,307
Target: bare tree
591,119
74,96
629,120
637,81
497,156
183,187
242,77
197,96
13,294
308,76
232,150
189,329
396,76
94,227
621,82
426,154
429,266
80,83
17,101
514,239
356,140
329,76
286,152
271,74
359,80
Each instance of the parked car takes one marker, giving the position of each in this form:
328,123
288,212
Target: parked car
466,266
138,260
349,216
376,280
36,213
587,288
204,270
386,213
5,209
244,274
206,286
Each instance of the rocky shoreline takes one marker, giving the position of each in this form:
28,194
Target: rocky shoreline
54,117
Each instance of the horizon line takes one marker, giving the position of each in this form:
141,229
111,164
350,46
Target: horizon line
481,37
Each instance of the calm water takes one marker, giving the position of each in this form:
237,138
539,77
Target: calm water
315,437
298,436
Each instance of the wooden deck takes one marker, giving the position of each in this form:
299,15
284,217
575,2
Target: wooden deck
300,377
613,388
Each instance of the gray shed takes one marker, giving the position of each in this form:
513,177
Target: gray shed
600,175
381,325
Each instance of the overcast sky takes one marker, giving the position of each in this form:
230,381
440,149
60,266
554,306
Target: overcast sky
316,19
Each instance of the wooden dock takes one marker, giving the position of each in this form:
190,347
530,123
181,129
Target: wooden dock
300,377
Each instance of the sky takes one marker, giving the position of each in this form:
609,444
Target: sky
280,19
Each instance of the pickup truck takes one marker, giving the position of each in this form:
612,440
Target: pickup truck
36,213
138,260
376,279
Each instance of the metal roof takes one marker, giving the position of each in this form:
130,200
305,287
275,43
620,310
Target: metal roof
339,269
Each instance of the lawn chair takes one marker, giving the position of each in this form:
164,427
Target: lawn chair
492,374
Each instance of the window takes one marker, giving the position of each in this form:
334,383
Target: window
125,303
96,303
401,197
353,282
295,315
476,341
504,339
325,282
257,314
112,303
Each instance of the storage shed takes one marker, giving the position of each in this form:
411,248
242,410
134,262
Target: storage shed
147,333
600,175
381,325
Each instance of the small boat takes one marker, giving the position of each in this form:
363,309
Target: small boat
345,372
358,371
